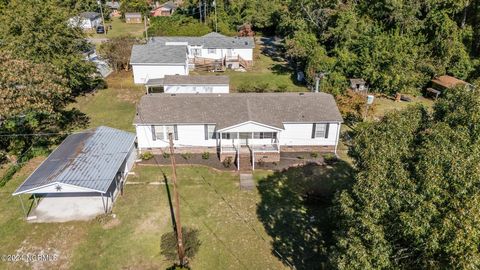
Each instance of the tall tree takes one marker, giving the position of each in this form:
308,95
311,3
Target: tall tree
414,203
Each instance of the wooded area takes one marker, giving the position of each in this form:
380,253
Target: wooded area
397,46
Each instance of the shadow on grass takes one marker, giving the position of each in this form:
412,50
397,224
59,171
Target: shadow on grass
295,211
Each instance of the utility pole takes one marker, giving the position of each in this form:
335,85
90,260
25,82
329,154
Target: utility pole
145,27
99,2
178,224
200,9
216,21
205,12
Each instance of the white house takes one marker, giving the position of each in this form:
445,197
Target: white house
82,177
253,126
86,20
154,61
182,84
162,55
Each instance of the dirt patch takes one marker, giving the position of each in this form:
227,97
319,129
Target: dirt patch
54,253
112,223
128,97
152,222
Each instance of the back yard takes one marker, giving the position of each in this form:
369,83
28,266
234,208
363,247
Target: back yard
120,28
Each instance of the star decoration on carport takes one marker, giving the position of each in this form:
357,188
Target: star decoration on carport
58,188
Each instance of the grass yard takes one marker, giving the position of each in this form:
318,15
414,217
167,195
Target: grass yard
132,239
384,105
120,28
115,106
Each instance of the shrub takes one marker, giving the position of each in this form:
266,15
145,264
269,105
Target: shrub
186,155
191,243
227,162
261,87
330,158
165,155
314,155
146,156
300,157
205,155
281,88
244,88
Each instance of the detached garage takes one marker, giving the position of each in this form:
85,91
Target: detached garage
82,177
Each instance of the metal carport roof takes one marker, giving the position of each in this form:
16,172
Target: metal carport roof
89,160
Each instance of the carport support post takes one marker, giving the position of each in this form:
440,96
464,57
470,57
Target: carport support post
103,201
23,206
35,200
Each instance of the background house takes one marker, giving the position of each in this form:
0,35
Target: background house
114,7
87,20
212,52
253,126
82,177
133,17
154,61
165,9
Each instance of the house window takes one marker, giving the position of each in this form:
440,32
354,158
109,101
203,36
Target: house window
212,51
264,135
228,135
208,89
161,132
196,51
210,133
320,130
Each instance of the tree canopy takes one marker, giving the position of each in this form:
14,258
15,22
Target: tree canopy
396,45
414,203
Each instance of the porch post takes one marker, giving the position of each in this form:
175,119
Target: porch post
220,143
336,138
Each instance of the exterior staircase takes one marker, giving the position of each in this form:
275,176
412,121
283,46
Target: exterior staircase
245,160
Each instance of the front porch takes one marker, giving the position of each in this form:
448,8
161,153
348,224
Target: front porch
247,148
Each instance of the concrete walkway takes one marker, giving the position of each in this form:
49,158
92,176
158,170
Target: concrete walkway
246,181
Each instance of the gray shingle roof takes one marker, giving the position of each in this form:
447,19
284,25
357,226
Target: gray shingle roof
196,80
227,110
154,53
89,160
169,5
212,40
90,15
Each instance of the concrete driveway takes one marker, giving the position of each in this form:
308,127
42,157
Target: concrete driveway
63,208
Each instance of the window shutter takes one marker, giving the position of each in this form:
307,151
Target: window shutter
154,136
206,131
175,132
326,130
314,127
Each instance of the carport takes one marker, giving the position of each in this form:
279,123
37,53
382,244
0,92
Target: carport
81,178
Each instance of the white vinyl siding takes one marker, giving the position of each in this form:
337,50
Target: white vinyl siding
212,51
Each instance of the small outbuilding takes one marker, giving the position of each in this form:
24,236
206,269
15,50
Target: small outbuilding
196,84
81,178
358,85
134,17
165,9
86,20
440,83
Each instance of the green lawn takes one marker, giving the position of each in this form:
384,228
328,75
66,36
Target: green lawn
132,239
120,28
115,106
384,105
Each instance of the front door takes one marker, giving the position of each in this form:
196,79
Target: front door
244,136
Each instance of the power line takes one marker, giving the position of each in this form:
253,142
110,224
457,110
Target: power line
287,262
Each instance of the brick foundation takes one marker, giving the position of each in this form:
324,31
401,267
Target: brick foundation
180,150
308,148
267,157
224,156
